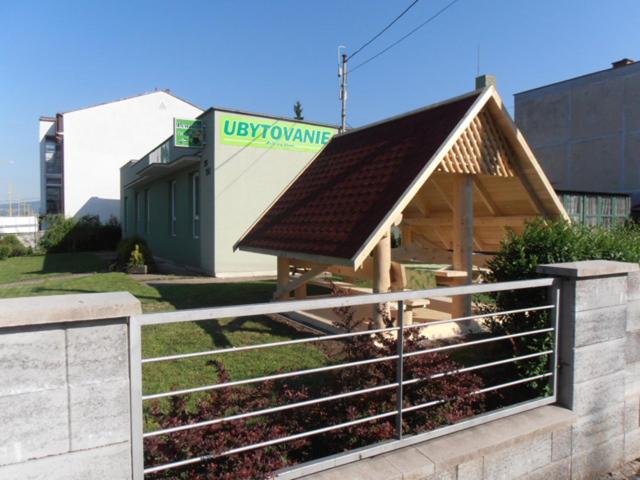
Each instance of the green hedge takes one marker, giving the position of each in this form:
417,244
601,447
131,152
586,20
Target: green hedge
541,243
86,234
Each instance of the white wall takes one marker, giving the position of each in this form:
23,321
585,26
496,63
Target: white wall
18,225
99,140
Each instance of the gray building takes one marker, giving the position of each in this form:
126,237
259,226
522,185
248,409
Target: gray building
585,132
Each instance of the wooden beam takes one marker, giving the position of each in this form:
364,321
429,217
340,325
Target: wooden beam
485,198
462,238
381,276
284,290
283,278
442,193
447,221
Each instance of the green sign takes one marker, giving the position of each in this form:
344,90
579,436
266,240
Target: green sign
267,133
188,133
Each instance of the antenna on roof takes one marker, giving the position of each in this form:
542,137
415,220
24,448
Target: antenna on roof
342,75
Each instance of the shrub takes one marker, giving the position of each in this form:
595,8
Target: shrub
86,234
127,246
456,391
4,252
16,248
549,242
56,237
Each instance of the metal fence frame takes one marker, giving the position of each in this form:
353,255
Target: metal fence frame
136,361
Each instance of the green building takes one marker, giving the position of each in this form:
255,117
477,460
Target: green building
195,194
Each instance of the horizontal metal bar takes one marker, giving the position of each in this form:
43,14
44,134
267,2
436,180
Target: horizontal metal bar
477,392
268,377
270,345
479,316
280,408
321,464
266,411
337,336
268,443
478,367
298,436
515,382
343,301
477,342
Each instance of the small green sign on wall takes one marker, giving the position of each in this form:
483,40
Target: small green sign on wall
188,133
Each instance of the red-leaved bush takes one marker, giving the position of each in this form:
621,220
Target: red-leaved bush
451,396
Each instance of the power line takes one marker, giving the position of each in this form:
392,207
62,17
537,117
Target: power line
428,20
384,29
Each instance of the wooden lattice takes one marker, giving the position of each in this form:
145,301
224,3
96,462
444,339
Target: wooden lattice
480,149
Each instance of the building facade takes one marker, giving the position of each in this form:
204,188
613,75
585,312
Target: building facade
81,151
586,134
192,200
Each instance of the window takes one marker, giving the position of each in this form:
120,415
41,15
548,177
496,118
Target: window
195,204
593,209
54,199
52,157
172,203
147,225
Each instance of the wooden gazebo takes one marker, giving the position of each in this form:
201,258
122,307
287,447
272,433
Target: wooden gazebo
452,177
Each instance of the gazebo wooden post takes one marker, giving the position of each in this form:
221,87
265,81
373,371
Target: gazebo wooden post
381,277
301,292
462,240
283,276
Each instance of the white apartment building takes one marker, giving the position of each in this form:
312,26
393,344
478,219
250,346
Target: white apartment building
81,151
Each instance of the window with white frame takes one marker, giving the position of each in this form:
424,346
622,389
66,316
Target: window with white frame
173,218
195,204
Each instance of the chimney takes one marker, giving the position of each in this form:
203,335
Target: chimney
622,63
485,80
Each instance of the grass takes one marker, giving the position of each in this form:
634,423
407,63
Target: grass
42,266
168,339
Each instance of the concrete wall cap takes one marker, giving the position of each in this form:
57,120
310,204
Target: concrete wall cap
24,311
587,268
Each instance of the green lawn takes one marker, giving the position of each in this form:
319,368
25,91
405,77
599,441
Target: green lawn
41,266
187,337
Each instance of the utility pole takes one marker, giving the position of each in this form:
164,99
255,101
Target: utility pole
342,74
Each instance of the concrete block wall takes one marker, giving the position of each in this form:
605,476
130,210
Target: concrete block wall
64,387
593,429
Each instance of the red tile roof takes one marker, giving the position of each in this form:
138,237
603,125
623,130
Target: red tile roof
343,195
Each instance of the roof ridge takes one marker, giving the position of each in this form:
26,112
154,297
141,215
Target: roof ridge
412,112
131,97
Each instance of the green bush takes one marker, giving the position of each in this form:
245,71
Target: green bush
4,252
16,248
57,236
128,246
86,234
543,242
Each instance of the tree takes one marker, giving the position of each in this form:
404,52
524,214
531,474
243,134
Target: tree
297,109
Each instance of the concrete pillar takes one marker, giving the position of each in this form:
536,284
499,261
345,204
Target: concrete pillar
599,361
381,276
65,386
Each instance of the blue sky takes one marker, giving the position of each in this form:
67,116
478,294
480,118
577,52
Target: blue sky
263,55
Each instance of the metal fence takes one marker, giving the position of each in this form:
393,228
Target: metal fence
398,330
